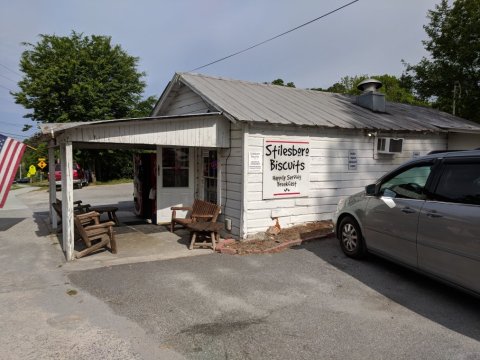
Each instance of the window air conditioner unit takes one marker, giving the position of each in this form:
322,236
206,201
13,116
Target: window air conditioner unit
389,145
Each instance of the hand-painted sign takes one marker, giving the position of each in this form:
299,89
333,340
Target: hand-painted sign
286,168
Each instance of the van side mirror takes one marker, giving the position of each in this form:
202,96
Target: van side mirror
370,190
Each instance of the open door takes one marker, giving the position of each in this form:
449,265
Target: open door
145,185
175,180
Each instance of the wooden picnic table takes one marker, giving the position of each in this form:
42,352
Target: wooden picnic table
110,210
204,229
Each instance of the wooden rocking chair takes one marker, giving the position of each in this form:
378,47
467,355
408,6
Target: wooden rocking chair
78,209
89,229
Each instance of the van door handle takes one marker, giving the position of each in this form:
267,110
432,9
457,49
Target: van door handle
433,214
408,210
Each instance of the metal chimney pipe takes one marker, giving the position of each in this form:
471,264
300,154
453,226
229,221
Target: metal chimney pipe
370,98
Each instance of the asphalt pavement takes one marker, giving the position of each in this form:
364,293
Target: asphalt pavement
42,315
309,302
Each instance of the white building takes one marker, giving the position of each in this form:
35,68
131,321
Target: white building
266,152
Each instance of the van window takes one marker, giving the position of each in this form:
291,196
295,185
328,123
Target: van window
409,184
460,183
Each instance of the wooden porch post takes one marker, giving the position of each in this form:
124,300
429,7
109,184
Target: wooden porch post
67,198
51,184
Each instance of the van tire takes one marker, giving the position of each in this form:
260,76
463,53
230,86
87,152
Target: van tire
351,238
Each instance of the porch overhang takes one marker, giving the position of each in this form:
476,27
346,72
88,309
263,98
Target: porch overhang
209,130
197,130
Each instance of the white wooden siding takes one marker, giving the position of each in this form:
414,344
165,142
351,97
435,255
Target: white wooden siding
210,131
463,141
330,178
185,102
231,161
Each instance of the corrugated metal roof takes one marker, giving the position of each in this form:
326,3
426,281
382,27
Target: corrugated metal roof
246,101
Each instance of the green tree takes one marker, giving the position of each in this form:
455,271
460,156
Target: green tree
347,85
451,74
280,82
36,148
143,108
82,78
395,89
78,78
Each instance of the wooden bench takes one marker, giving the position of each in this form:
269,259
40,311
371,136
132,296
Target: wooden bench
202,230
89,229
200,211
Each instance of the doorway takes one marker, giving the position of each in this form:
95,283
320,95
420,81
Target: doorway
175,179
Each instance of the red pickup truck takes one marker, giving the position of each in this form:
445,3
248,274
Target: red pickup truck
79,177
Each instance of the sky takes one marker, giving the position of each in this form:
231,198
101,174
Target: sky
367,37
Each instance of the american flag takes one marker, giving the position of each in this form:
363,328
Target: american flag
11,152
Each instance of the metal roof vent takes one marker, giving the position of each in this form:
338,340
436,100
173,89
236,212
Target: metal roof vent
370,98
369,85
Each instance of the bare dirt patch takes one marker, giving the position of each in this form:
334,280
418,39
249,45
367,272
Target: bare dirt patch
287,237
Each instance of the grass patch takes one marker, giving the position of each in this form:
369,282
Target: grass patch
42,184
114,182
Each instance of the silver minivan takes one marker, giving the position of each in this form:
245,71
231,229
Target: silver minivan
424,214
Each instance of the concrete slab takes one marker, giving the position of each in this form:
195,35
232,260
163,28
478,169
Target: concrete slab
137,240
13,203
140,243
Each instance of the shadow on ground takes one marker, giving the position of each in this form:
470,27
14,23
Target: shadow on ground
7,223
42,219
433,300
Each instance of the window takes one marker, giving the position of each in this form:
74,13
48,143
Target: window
409,184
210,176
460,183
175,167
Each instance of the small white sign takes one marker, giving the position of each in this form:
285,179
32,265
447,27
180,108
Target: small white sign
286,168
415,154
352,160
254,162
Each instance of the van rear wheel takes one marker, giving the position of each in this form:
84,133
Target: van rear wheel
351,239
